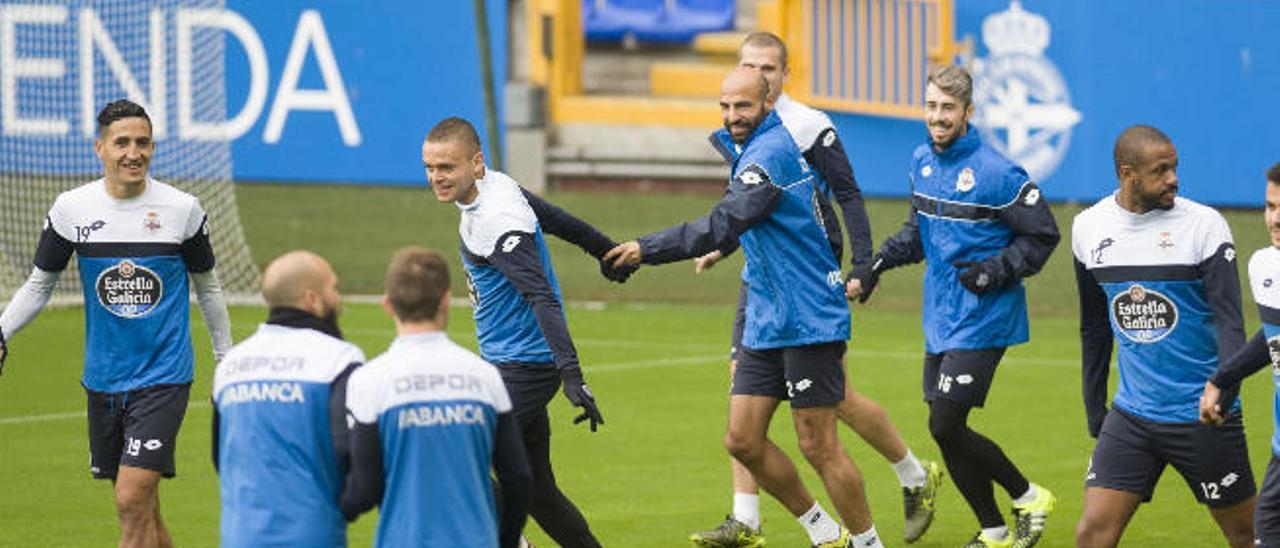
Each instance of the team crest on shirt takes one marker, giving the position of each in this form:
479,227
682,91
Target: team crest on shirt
151,222
1166,240
129,290
926,171
1144,315
965,181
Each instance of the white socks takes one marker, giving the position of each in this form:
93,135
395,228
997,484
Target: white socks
910,473
868,539
995,533
746,508
1029,496
818,523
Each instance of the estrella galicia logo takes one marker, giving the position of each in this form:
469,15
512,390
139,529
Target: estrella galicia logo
1144,315
129,290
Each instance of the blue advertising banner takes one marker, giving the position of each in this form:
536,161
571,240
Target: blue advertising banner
286,90
351,88
1056,83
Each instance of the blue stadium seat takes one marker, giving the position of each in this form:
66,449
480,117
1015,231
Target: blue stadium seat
682,20
612,20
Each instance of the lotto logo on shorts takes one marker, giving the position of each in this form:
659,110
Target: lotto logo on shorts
129,290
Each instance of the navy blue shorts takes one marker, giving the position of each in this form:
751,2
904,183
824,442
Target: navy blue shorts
138,428
961,376
1132,452
809,376
1267,516
531,386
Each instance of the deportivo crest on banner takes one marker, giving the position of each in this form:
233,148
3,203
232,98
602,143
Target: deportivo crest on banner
1144,315
1024,107
129,290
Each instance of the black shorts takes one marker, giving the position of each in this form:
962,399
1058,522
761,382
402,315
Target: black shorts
138,428
961,376
1132,452
1267,516
739,323
810,375
531,386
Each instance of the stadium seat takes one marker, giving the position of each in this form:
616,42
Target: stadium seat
612,20
682,20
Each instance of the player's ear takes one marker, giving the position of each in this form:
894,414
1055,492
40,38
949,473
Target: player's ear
477,164
385,301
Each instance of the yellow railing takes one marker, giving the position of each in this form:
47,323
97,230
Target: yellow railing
859,56
866,56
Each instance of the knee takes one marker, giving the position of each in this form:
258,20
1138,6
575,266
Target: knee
945,430
743,448
1092,533
817,446
134,504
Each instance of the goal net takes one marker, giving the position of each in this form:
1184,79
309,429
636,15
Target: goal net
60,63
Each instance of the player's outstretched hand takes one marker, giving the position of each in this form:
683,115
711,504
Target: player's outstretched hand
613,274
1210,411
575,388
623,254
979,276
707,261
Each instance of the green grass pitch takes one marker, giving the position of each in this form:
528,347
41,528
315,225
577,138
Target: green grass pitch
655,354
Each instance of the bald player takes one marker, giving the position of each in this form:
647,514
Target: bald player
793,341
279,422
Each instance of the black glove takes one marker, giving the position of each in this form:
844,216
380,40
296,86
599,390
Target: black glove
4,351
615,274
869,275
580,396
980,276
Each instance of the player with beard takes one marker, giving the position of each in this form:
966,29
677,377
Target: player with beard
137,241
981,225
279,417
821,147
793,342
1157,272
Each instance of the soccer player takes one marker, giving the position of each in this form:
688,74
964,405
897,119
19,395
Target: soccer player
430,421
1157,273
981,225
137,241
279,420
1263,349
516,302
818,142
792,341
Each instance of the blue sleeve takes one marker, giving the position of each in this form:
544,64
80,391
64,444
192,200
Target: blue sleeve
828,157
750,198
1222,292
522,265
563,225
1035,234
1095,347
365,480
515,480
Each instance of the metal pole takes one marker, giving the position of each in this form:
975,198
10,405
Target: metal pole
486,74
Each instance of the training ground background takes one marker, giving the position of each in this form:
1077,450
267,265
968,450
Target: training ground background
655,353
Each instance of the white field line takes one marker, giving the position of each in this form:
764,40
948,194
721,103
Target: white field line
619,366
